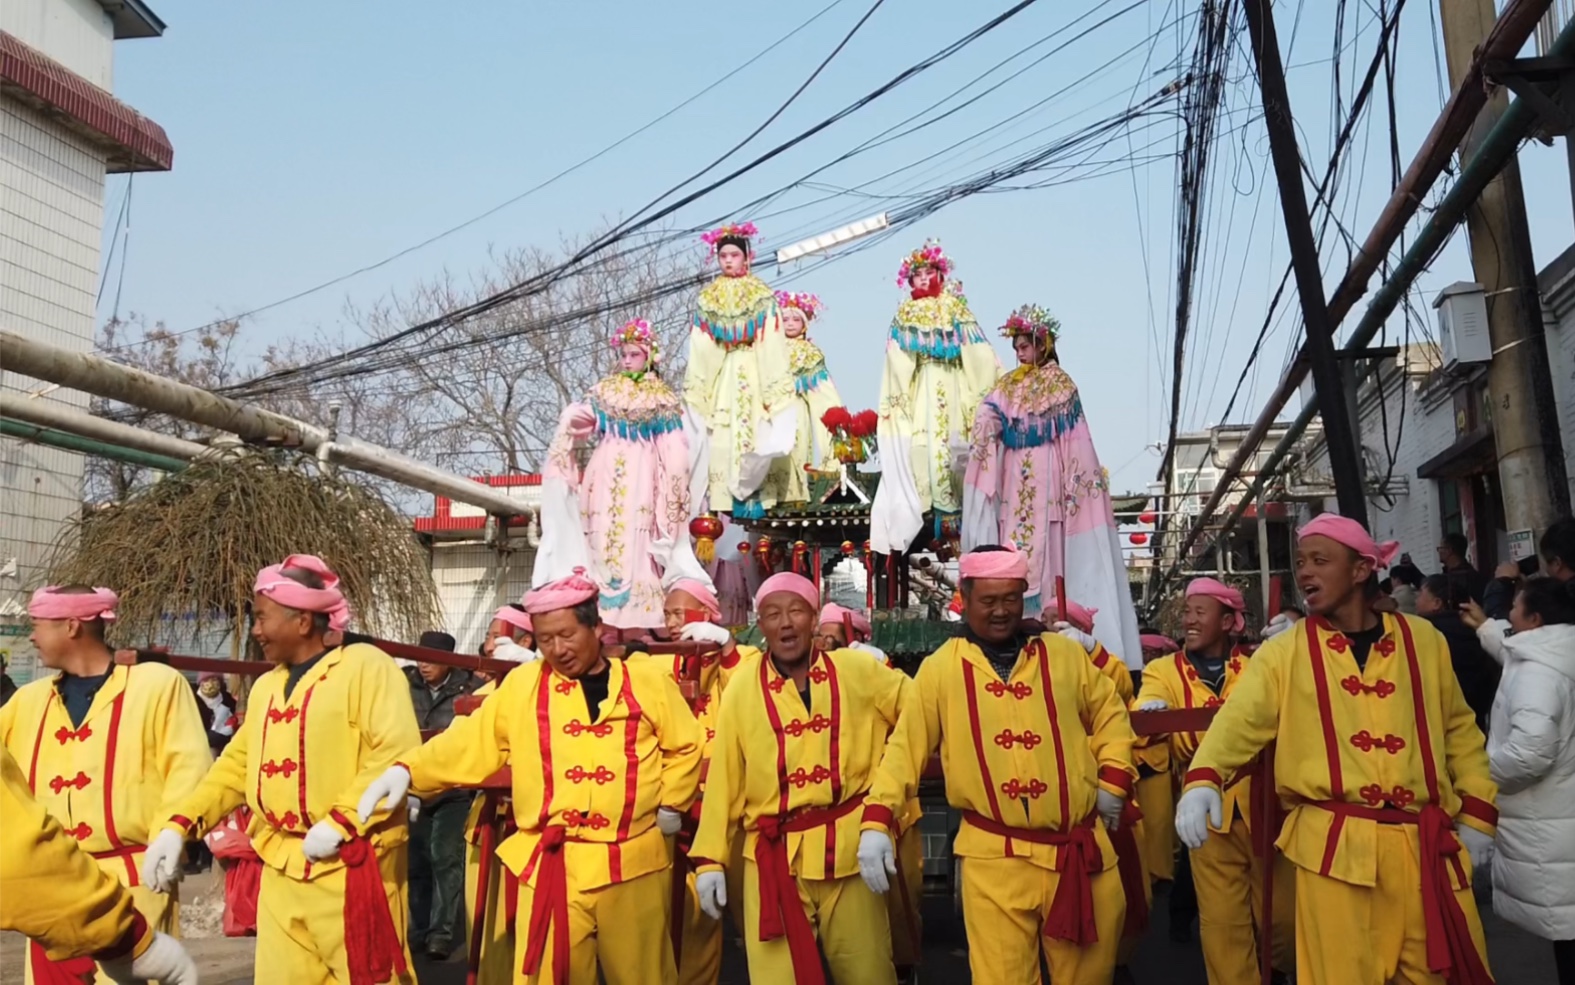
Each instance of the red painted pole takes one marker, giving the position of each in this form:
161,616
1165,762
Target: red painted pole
1060,598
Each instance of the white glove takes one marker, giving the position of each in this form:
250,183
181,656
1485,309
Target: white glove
504,648
877,860
164,961
1110,807
161,864
413,808
390,788
1479,845
706,632
1076,635
874,651
711,888
1197,809
322,841
1276,626
1154,704
668,821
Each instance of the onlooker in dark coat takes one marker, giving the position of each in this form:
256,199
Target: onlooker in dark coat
1557,548
1468,582
437,836
1439,603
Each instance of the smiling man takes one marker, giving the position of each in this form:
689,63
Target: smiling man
1381,762
1226,872
1037,748
605,759
801,735
332,906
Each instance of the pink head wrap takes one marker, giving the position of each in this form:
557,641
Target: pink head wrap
514,617
565,593
834,613
1344,530
1154,641
50,603
787,581
1225,595
329,600
1010,564
702,593
1078,615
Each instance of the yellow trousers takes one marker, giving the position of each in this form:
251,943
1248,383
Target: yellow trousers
497,944
160,910
700,954
1372,935
1005,903
902,909
301,924
1157,799
849,920
1229,881
620,929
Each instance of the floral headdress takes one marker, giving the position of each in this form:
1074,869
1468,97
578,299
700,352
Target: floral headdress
1032,320
638,332
929,255
804,301
733,230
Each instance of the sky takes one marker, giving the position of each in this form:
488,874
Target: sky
312,140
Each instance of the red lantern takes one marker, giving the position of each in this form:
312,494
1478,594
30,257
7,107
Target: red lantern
705,528
848,548
1140,538
1148,517
743,547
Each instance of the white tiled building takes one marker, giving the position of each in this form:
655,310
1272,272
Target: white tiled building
61,132
1435,425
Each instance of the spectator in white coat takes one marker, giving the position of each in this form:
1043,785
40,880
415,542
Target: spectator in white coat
1531,750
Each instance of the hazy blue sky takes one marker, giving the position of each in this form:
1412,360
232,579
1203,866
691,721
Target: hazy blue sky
312,139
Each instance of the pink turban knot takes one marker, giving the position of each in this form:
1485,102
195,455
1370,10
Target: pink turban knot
565,593
1078,615
1344,530
50,603
834,613
1225,595
514,617
702,593
328,600
787,581
1154,641
1010,564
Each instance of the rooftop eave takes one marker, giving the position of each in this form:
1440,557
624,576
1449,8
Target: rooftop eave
132,19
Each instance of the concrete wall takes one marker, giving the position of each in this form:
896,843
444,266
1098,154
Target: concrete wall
51,223
1557,284
473,582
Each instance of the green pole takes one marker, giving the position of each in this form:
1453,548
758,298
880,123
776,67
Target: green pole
88,446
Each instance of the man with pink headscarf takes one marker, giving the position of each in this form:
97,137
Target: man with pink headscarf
332,905
605,759
1037,751
841,627
107,748
1226,870
801,735
1382,764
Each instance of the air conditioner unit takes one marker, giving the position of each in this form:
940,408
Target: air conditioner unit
1463,325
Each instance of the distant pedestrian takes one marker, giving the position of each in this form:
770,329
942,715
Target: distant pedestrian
1439,602
1406,582
437,837
1468,581
1531,751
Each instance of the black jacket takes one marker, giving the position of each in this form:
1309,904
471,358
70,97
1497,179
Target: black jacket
435,709
1477,672
1498,598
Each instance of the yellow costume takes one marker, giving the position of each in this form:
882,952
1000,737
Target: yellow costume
111,780
1375,763
52,892
591,864
1227,872
797,778
293,761
1024,759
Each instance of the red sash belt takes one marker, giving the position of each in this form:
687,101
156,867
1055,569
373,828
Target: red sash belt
781,913
74,971
1129,862
373,949
1072,911
126,853
549,905
1450,949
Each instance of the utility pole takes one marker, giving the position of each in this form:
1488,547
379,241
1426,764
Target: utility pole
1345,461
1520,385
